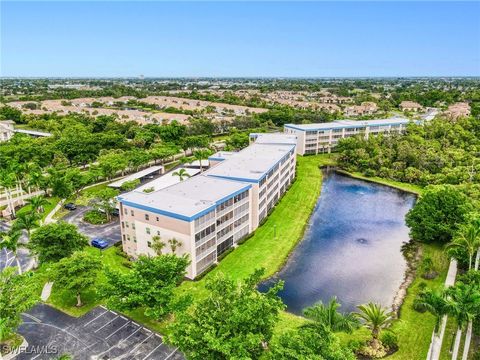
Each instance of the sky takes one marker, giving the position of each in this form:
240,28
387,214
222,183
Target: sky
246,39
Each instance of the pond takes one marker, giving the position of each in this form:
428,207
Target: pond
351,248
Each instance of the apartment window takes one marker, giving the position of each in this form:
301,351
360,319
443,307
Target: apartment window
225,218
124,238
240,196
134,239
149,244
158,232
205,232
126,224
147,217
225,204
128,237
126,211
224,246
158,219
147,230
123,225
132,213
262,182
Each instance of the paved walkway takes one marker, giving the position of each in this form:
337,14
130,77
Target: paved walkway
437,339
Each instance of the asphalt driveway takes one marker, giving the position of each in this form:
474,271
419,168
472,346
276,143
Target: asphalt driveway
100,334
109,232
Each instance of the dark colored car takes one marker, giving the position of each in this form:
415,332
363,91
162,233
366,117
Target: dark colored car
70,206
99,243
116,212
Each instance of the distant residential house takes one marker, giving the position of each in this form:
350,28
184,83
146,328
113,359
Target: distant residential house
6,130
410,106
457,110
333,99
366,108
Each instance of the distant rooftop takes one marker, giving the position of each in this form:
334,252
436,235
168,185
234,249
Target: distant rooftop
221,155
186,200
33,132
274,138
339,124
138,175
165,181
252,163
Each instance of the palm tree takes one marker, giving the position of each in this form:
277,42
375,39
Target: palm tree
181,173
7,180
468,239
435,303
374,318
174,244
328,316
157,245
10,242
27,221
464,304
200,155
37,203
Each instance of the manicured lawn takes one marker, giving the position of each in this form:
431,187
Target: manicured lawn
416,189
84,196
290,218
52,202
414,330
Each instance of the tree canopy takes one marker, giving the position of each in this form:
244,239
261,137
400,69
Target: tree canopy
234,321
55,241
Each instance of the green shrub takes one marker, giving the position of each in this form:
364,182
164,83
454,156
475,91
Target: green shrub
95,217
389,339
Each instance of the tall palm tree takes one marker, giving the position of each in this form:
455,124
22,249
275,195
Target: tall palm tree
201,155
7,181
375,318
158,245
26,221
464,304
435,303
181,173
174,244
468,239
10,242
327,315
37,203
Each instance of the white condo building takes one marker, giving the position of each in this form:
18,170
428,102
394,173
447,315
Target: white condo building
323,137
211,212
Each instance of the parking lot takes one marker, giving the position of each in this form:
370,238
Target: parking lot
109,232
100,334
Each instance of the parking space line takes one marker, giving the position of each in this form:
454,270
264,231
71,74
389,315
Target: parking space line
169,356
117,330
128,337
106,324
33,318
151,352
95,318
148,330
103,307
138,345
123,317
113,312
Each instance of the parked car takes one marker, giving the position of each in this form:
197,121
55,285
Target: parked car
99,243
116,212
70,206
